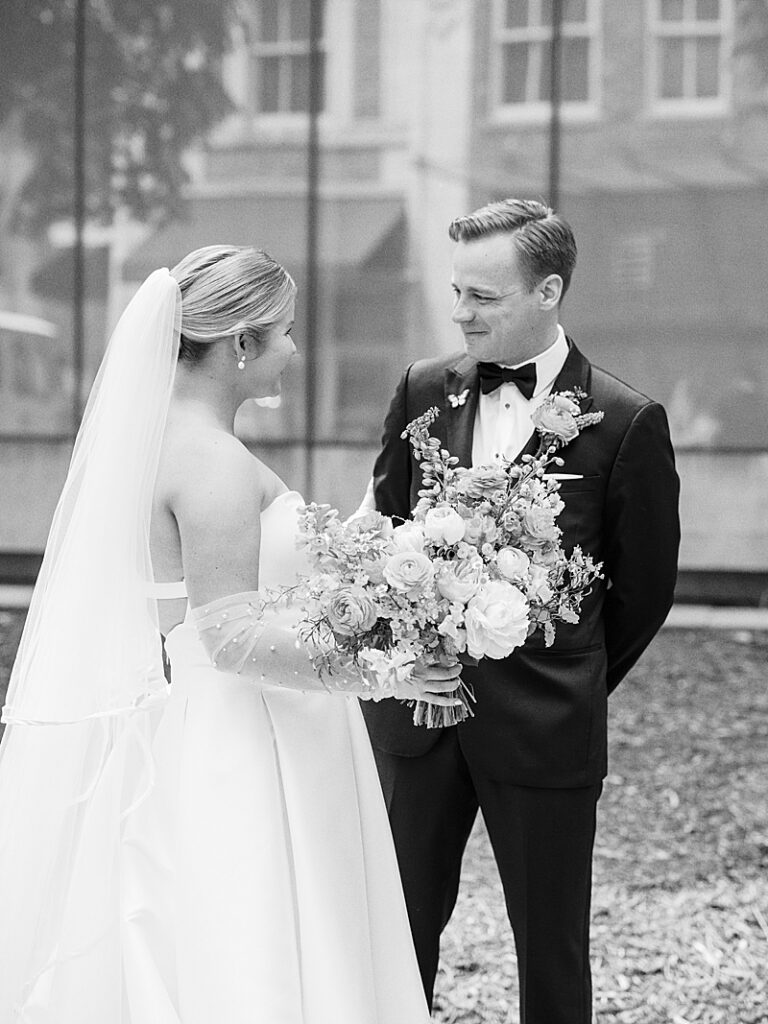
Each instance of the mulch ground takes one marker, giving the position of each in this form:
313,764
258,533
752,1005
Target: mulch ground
680,901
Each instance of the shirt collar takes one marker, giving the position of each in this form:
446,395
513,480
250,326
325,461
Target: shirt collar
549,362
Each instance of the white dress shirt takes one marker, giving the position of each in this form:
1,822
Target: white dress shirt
503,421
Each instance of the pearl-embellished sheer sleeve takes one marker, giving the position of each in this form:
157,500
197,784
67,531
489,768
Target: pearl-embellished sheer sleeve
245,635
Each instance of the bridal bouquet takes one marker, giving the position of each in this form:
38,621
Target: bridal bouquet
475,571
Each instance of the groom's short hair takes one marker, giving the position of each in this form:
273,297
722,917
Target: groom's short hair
543,240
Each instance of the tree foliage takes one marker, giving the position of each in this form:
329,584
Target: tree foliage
152,88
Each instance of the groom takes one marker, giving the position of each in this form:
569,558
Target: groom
534,756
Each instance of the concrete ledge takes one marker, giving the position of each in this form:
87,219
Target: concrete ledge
702,616
682,616
15,596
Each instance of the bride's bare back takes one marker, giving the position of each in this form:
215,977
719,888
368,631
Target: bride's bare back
205,526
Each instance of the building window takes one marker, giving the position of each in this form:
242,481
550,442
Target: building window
688,55
280,53
634,260
523,48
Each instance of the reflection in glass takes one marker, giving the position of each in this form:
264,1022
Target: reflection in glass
575,10
269,11
380,270
517,13
281,57
299,19
708,10
269,85
575,70
35,380
525,53
544,58
671,68
672,10
300,83
515,62
707,67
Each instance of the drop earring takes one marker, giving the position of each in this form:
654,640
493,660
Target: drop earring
241,363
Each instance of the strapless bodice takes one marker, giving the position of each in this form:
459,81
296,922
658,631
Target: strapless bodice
280,559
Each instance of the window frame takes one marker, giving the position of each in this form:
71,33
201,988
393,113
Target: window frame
283,47
692,29
539,111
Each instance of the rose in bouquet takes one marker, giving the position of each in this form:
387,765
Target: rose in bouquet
475,571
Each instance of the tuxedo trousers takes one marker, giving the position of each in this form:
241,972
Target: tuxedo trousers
542,841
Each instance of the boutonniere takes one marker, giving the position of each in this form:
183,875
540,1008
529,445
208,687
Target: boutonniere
460,399
563,415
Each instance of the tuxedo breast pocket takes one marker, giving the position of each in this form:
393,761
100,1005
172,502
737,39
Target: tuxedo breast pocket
574,484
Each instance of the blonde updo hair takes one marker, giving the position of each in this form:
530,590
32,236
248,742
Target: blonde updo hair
226,290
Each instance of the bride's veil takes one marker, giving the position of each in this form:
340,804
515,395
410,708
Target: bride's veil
75,759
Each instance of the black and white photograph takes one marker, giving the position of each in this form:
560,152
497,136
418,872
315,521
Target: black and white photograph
383,534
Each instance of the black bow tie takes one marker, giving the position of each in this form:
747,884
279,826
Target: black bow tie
492,376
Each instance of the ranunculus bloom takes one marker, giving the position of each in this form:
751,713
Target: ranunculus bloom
371,520
473,530
409,536
512,563
480,530
459,581
557,416
566,404
510,520
496,620
351,612
408,571
373,569
540,526
444,525
481,481
490,529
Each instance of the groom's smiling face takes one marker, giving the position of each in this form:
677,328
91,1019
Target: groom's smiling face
501,319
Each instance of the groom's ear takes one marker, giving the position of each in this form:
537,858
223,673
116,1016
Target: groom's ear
550,291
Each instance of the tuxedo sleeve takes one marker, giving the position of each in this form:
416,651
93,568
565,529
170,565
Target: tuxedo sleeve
642,529
392,470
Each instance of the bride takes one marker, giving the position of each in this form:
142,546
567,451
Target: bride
215,851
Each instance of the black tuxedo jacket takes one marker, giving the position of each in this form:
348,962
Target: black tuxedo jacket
540,717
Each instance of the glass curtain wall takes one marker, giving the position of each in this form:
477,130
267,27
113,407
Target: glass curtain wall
343,136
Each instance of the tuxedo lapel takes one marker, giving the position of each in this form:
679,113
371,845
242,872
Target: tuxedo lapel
576,373
460,417
530,448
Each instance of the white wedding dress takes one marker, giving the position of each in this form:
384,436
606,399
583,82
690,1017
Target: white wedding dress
258,882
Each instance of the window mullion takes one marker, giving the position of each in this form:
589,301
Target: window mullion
533,38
